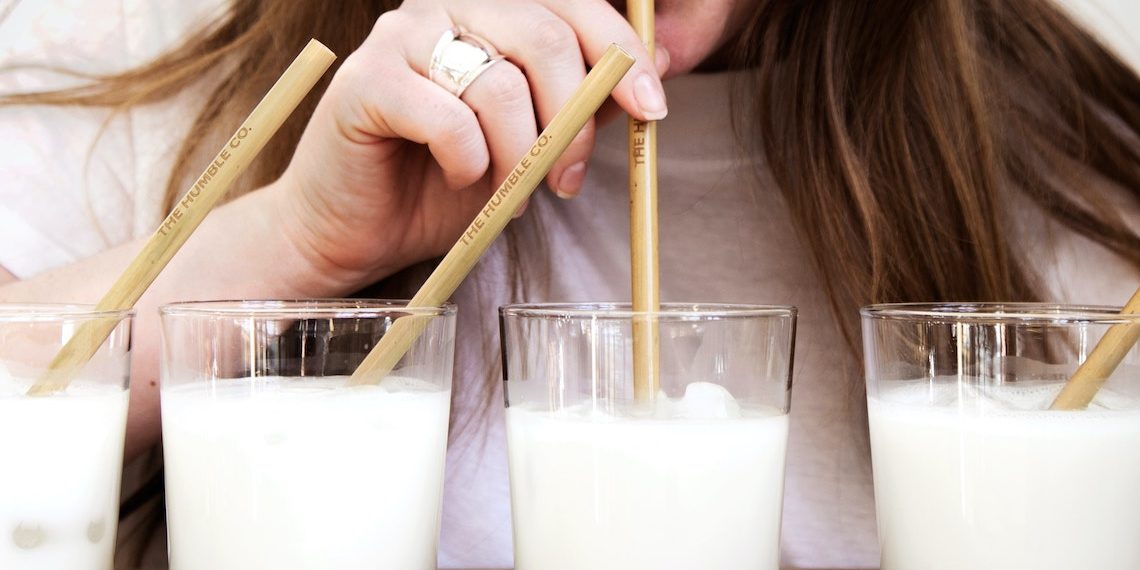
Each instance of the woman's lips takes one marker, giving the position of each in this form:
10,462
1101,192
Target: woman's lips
671,35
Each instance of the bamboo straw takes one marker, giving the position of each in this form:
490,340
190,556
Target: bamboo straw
1105,357
189,212
491,220
643,227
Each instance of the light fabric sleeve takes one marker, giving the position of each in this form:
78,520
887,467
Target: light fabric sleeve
76,181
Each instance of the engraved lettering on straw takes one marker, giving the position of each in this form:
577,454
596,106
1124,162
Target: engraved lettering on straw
637,147
501,194
211,172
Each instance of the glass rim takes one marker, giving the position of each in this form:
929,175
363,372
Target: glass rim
621,311
1021,312
292,308
28,312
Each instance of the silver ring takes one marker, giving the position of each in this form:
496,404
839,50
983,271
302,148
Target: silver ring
459,58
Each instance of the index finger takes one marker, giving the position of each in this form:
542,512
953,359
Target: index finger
598,24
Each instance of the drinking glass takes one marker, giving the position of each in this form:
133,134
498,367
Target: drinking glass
691,477
62,453
272,460
972,468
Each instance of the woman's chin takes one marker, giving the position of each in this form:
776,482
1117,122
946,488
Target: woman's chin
687,47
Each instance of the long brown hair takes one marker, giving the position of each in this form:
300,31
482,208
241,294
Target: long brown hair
900,133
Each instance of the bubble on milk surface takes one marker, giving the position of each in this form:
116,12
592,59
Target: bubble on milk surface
96,529
407,384
702,401
27,536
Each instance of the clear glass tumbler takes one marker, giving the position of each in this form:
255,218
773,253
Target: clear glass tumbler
273,461
972,468
603,480
61,454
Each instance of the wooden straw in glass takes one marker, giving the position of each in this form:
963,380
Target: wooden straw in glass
1080,390
643,227
238,152
493,218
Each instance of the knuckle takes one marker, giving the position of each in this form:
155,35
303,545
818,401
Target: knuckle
389,22
360,68
453,122
460,131
351,71
507,86
554,37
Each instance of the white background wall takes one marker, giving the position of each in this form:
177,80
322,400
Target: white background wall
1117,22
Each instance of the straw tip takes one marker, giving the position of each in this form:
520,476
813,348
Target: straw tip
617,51
316,49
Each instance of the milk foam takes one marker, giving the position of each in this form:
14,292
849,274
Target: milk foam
1011,397
702,401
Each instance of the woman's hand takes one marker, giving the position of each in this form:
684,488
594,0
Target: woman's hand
392,167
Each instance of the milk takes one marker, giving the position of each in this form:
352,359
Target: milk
995,481
304,473
696,483
59,476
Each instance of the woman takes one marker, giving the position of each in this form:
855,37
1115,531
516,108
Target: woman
871,152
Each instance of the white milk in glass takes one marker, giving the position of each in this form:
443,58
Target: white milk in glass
698,483
59,476
998,482
304,473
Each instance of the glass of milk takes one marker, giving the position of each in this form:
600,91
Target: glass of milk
62,453
692,479
971,467
273,461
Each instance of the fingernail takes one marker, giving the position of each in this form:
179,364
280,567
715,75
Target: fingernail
650,97
519,212
571,181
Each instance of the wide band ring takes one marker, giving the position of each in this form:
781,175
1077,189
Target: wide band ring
459,58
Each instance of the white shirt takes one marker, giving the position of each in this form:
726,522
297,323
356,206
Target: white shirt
69,190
